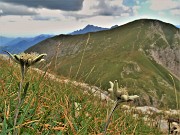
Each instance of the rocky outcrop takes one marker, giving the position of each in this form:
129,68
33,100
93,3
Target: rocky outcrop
168,53
169,58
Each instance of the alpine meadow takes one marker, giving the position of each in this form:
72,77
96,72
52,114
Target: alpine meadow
119,81
141,55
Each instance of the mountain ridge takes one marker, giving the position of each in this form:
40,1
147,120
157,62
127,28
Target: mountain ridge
128,53
87,29
20,44
5,40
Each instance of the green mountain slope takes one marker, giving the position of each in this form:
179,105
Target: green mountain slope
140,55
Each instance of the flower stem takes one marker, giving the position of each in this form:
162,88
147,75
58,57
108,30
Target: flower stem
19,98
110,114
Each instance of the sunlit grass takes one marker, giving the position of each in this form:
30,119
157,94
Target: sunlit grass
49,108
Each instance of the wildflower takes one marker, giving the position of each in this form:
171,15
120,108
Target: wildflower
120,93
111,88
175,128
26,60
129,98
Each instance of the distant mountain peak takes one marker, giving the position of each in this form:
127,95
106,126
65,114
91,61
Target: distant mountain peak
88,28
91,26
114,26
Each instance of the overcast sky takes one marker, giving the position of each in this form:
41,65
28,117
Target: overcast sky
34,17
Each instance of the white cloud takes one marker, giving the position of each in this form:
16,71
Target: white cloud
157,5
135,10
111,8
26,26
86,12
175,12
104,8
1,11
125,14
161,13
88,7
47,14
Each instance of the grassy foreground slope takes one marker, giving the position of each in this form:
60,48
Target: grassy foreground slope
140,55
49,108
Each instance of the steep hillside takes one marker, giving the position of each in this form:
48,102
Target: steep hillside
140,55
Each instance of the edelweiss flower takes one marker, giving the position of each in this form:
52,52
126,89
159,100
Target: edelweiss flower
175,128
111,88
25,59
120,93
129,98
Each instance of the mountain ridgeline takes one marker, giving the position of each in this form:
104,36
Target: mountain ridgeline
88,28
141,55
20,44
